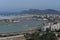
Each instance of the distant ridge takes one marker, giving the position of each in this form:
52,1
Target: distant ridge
32,11
37,11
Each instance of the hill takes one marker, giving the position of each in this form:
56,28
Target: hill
32,11
37,11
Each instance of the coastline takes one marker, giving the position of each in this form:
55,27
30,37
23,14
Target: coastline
22,31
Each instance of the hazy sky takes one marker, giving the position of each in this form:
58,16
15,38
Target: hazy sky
17,5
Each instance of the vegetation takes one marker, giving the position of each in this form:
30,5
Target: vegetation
33,36
48,36
44,36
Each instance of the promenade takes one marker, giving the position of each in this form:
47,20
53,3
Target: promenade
18,37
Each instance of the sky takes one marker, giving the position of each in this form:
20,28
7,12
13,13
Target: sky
18,5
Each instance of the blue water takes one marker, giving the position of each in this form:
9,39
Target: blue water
17,26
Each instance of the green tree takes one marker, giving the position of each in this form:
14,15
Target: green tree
36,36
48,36
33,36
28,36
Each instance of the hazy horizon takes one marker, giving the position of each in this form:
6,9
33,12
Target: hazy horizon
18,5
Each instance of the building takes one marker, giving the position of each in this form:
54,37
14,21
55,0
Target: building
45,27
51,27
55,27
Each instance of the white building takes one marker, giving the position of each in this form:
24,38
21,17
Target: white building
52,27
55,27
45,27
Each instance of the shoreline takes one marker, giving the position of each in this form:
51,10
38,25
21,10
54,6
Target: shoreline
22,31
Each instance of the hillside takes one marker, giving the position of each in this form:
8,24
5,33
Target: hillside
37,11
31,11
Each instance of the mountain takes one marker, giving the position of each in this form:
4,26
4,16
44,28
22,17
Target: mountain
32,11
37,11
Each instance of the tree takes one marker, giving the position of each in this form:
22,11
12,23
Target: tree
33,36
48,36
28,36
36,36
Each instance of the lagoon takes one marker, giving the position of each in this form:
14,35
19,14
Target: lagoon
18,26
